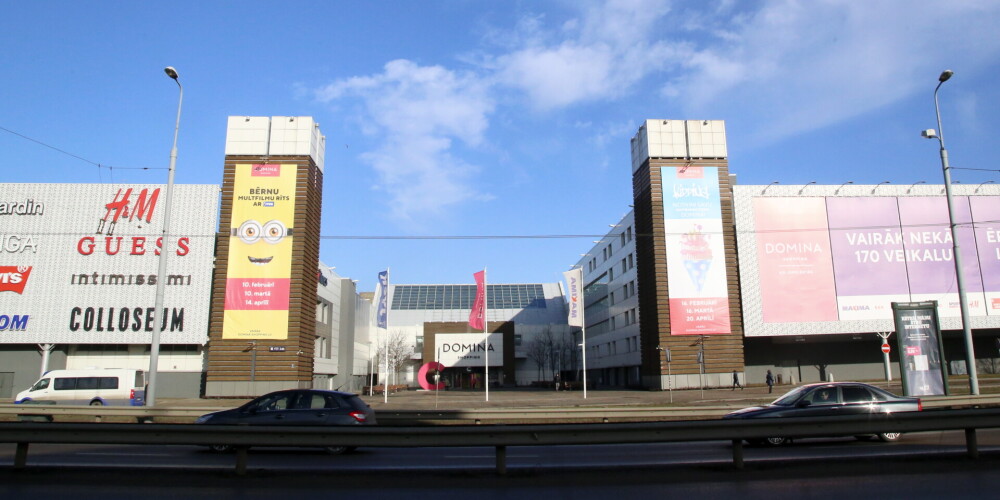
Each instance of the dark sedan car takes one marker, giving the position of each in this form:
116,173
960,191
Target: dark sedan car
831,399
297,407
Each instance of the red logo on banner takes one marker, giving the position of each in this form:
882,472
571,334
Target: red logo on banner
13,279
266,170
913,350
690,172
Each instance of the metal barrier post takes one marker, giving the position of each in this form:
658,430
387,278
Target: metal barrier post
738,453
241,460
21,456
502,460
971,444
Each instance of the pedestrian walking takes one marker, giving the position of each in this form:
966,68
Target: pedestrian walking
736,381
769,379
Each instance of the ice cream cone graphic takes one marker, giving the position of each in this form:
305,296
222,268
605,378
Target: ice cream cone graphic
697,256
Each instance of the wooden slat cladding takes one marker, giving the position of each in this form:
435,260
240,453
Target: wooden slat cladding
723,352
229,360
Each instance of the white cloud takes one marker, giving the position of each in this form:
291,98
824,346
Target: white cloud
602,55
800,66
419,111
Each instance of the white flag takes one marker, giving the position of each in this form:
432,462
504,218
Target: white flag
574,280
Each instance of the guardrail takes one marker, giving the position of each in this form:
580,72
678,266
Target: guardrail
601,414
497,436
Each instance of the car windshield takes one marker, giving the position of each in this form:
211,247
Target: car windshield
790,398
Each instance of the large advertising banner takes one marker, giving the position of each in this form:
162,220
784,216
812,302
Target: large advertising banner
468,349
692,213
864,253
987,236
796,277
868,264
79,263
259,270
929,253
921,355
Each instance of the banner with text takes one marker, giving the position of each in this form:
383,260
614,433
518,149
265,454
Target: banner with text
696,261
840,259
260,252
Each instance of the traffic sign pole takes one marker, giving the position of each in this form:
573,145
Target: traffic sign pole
885,354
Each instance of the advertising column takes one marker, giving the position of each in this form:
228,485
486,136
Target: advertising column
921,356
692,213
260,252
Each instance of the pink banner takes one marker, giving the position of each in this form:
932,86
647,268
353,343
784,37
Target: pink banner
478,315
692,316
793,251
257,294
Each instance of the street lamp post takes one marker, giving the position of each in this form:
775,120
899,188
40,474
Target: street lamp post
160,322
970,353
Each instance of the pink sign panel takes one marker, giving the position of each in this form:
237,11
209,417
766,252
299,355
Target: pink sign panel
257,294
793,252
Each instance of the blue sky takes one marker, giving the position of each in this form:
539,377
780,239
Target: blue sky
475,118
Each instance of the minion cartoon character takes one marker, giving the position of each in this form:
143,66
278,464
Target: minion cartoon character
252,232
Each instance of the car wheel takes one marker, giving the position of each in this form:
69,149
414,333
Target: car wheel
888,437
776,441
220,448
339,450
97,402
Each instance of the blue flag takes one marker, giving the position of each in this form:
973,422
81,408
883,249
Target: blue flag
383,308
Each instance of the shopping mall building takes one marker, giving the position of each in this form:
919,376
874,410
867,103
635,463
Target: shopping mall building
700,279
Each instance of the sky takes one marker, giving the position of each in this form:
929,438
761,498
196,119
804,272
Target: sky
467,134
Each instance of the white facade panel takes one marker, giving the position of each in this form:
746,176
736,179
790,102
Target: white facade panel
87,260
276,135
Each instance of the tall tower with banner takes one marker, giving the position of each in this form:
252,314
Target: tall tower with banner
263,314
690,331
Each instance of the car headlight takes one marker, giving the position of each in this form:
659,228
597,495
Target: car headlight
203,419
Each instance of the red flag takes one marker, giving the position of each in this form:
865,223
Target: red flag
478,314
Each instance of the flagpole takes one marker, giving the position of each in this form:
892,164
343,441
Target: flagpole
486,309
385,381
583,330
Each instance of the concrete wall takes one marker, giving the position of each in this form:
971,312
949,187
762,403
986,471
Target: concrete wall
25,363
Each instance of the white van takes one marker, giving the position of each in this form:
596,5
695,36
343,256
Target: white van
95,387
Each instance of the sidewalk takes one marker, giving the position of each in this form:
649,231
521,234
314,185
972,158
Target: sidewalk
550,398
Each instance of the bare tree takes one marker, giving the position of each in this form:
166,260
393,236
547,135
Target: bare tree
537,351
393,350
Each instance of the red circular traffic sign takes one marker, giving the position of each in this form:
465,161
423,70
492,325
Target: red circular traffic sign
885,348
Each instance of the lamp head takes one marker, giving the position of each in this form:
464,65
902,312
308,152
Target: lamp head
945,75
171,72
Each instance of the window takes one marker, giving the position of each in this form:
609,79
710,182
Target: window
517,340
622,239
420,343
624,266
628,232
631,261
65,384
856,394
